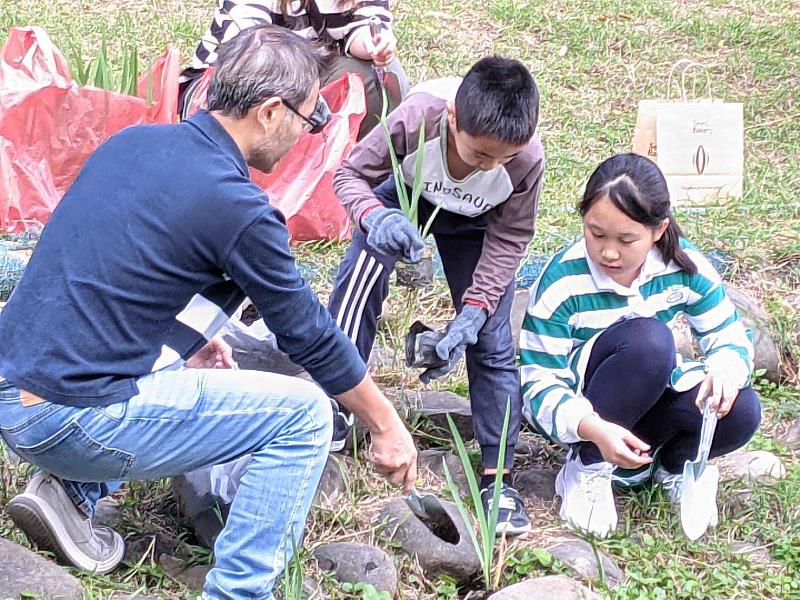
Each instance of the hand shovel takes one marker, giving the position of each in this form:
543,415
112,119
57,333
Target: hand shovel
700,481
388,81
430,510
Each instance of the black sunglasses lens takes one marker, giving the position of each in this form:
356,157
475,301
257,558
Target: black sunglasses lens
321,115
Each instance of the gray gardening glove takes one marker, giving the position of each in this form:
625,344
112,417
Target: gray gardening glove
462,332
390,232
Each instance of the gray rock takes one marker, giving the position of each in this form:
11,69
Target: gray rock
152,545
755,317
435,406
526,448
755,466
684,340
435,555
194,577
551,587
579,557
518,309
332,484
351,562
756,554
23,571
434,461
791,437
383,359
539,484
107,512
738,504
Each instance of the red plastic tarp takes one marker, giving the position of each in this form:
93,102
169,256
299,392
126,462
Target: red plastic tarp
49,125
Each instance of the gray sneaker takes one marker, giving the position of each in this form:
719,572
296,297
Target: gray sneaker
51,521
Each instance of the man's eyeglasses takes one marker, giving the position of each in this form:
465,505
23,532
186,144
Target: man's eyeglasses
318,119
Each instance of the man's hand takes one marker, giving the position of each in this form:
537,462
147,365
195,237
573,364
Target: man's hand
462,332
617,445
393,454
217,354
390,232
392,451
381,50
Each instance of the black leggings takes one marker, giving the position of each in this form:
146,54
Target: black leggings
627,382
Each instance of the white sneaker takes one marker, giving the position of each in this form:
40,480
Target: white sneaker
587,502
671,483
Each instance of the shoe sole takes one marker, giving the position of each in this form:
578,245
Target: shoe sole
40,524
509,529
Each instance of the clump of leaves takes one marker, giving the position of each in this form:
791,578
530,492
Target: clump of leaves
99,73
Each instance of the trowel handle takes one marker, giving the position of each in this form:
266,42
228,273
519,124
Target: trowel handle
375,26
707,431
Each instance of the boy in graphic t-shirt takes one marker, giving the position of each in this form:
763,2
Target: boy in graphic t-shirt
483,165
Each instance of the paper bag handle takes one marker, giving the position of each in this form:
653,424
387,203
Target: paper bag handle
684,66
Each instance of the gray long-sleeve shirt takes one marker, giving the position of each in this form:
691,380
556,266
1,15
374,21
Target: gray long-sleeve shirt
508,194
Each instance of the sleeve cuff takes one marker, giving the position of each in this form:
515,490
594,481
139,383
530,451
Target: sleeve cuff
570,415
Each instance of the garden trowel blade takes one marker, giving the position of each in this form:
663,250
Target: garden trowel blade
699,485
430,510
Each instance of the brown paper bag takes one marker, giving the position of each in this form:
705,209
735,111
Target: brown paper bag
698,144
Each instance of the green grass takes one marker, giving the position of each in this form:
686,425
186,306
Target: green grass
593,60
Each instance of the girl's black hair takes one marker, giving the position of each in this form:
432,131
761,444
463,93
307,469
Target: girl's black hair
637,187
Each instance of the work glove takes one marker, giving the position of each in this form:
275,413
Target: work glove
390,232
461,332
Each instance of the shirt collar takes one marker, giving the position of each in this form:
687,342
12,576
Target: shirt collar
653,265
215,132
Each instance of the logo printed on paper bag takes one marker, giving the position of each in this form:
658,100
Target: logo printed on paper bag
701,128
700,159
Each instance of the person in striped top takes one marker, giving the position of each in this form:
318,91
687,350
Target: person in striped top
599,368
340,25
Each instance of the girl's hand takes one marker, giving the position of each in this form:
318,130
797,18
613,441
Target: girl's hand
617,445
381,50
217,354
720,390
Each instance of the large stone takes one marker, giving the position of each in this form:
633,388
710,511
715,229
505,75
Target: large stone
351,562
193,577
757,465
756,554
754,316
518,309
551,587
435,406
456,558
434,461
536,484
791,437
332,484
579,557
25,572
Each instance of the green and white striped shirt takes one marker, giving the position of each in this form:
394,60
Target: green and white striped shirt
573,302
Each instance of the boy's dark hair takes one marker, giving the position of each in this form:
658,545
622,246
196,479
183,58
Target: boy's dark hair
636,186
499,99
260,62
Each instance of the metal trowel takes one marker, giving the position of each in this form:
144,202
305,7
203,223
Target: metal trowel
700,482
386,79
430,510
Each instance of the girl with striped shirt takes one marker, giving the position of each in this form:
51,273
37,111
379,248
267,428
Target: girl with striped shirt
341,25
600,371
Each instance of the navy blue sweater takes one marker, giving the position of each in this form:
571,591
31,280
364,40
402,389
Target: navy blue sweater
155,244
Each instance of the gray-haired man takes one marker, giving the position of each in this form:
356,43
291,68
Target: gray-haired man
158,240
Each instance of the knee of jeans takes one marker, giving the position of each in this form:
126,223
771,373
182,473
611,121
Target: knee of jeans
318,409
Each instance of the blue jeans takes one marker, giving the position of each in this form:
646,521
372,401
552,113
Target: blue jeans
183,420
